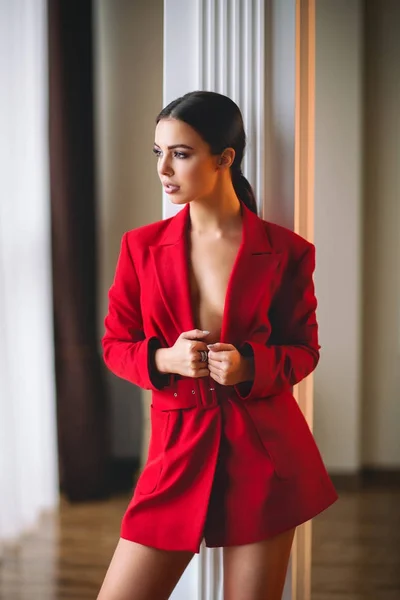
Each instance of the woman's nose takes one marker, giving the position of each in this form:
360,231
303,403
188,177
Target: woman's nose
164,167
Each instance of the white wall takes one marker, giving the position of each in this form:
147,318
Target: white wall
129,84
338,229
381,374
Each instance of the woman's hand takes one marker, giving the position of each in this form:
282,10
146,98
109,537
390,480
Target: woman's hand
227,366
184,356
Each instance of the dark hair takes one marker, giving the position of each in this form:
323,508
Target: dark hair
218,120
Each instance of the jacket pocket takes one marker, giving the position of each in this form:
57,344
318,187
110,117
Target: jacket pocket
150,477
284,435
284,467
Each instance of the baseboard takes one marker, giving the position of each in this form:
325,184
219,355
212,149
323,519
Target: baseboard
366,478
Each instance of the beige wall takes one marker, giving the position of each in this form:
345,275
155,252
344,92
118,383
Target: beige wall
381,294
357,220
129,84
338,211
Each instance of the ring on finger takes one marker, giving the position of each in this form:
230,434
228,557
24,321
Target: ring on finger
203,355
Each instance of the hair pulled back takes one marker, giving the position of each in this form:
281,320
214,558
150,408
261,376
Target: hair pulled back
218,120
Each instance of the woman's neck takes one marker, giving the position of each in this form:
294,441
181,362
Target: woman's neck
216,215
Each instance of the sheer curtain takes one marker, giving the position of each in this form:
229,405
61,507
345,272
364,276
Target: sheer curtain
28,447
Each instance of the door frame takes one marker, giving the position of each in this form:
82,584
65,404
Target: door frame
304,225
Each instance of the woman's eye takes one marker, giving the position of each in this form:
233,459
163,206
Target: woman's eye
177,154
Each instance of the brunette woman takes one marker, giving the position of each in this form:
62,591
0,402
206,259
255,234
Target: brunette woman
214,310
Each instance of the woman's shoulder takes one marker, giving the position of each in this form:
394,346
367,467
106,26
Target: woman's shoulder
148,234
284,239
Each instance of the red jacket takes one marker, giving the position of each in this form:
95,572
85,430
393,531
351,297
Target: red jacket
234,464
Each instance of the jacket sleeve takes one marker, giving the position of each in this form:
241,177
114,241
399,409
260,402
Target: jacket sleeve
127,352
292,351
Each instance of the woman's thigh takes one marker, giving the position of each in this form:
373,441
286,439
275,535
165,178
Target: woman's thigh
138,572
257,571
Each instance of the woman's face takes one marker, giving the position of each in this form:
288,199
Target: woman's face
184,161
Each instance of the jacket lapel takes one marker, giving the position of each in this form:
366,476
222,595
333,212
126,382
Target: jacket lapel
170,261
253,275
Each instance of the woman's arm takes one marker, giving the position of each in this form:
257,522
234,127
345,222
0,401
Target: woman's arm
292,352
126,350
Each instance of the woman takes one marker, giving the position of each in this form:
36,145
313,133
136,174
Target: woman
214,311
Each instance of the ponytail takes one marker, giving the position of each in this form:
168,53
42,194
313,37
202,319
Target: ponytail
243,189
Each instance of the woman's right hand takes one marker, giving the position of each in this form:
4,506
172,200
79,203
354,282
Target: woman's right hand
184,356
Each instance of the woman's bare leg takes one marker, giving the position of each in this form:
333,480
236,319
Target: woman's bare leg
257,571
138,572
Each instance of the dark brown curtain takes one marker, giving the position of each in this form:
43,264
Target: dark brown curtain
81,398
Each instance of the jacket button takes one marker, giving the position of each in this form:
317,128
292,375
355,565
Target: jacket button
193,392
212,389
175,394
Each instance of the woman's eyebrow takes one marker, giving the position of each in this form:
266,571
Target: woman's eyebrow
177,146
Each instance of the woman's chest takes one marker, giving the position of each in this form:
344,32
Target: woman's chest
210,268
223,287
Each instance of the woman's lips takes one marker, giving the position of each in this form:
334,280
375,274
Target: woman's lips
171,189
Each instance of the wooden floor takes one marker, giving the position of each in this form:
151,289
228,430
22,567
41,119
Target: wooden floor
356,551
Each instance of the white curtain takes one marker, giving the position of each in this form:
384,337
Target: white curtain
28,452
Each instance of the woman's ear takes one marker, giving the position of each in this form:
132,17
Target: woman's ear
227,157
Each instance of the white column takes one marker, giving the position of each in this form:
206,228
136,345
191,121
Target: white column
28,448
231,61
219,45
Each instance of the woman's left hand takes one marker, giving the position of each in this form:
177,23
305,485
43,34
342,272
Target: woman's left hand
227,366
